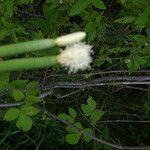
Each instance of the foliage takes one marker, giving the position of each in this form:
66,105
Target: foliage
119,32
23,115
90,111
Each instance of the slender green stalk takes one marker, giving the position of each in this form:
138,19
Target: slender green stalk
18,48
27,63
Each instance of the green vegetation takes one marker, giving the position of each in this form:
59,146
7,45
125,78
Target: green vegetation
102,107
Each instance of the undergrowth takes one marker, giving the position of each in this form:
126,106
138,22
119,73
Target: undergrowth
106,107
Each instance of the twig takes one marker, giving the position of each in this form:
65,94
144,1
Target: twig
87,84
103,81
98,73
11,105
117,71
93,137
124,121
126,114
136,88
45,94
21,103
66,95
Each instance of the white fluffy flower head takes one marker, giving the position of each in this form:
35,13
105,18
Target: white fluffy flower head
76,57
70,38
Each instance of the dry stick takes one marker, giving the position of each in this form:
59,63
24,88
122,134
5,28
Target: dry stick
124,121
98,73
134,80
117,71
11,105
21,103
66,95
125,113
41,96
103,121
136,88
103,81
76,85
93,137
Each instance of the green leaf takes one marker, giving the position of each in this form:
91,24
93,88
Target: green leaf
142,19
29,100
4,80
18,84
147,108
88,131
9,7
100,61
127,19
91,103
105,132
72,112
90,28
135,63
99,4
29,110
18,95
24,122
96,115
11,114
109,60
25,1
70,129
33,88
73,138
66,117
140,39
2,8
79,7
85,109
4,33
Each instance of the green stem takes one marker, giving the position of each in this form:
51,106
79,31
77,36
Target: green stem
18,48
27,63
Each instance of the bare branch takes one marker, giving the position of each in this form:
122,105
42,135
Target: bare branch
93,137
103,81
11,105
100,72
124,121
136,88
21,103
